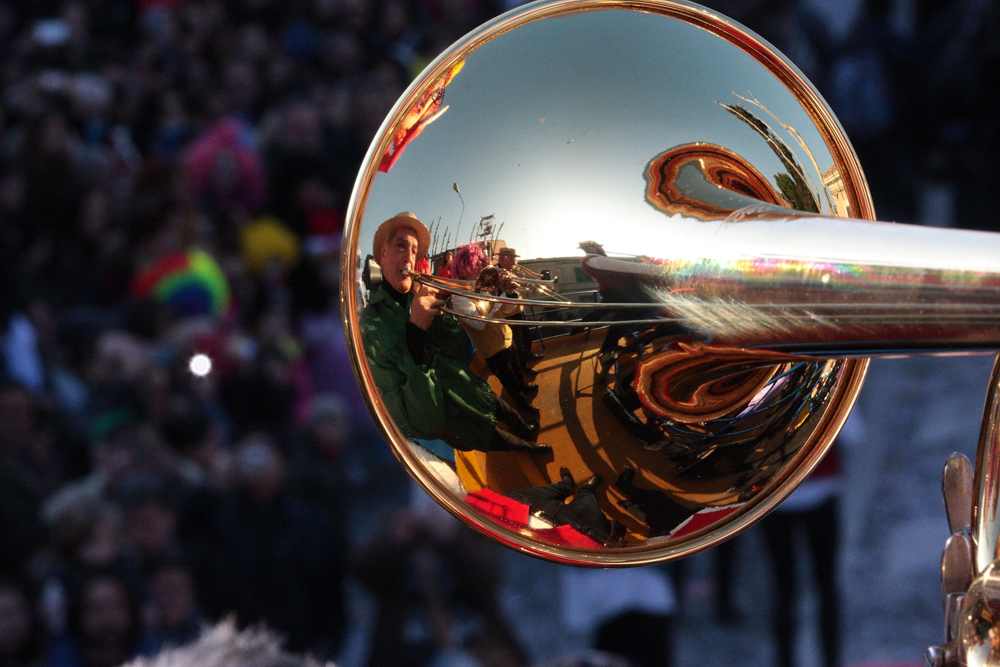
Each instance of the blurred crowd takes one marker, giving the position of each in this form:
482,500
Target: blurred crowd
177,407
177,403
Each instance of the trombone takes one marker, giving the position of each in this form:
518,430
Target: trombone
758,286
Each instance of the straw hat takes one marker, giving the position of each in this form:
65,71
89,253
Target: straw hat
388,228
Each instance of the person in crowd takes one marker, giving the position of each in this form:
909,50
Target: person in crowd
261,388
437,585
85,538
275,557
197,440
224,173
627,613
174,617
811,513
29,439
104,623
124,450
149,520
300,169
22,640
21,488
86,535
317,464
419,356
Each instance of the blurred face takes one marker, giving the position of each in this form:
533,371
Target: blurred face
16,418
54,134
260,467
399,256
149,527
12,193
330,434
506,261
173,591
15,621
303,129
103,546
378,91
395,18
241,82
94,217
107,615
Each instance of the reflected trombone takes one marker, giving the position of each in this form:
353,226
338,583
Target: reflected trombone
545,288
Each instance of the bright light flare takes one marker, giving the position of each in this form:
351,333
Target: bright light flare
200,365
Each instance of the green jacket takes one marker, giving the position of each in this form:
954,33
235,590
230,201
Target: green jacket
440,398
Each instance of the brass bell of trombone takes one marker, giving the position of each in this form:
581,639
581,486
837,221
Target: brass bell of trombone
701,353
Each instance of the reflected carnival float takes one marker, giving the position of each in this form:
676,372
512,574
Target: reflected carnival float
685,324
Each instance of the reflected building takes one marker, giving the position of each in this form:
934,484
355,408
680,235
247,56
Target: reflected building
833,181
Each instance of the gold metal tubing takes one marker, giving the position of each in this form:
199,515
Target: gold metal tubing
525,280
461,287
986,484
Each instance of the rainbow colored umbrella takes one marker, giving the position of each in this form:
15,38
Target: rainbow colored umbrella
191,282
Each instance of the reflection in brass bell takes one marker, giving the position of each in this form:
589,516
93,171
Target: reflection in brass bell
693,266
978,638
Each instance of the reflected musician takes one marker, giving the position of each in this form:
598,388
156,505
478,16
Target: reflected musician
419,355
444,270
493,340
507,260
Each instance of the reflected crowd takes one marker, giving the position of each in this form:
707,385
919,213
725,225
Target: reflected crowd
181,437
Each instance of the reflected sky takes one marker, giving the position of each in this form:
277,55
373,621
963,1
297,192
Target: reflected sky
550,127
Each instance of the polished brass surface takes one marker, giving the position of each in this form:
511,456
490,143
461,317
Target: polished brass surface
957,484
986,484
696,186
977,643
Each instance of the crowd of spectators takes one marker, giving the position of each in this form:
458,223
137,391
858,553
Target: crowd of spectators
173,177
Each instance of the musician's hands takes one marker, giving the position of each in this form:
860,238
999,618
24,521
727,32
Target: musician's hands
507,285
426,306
